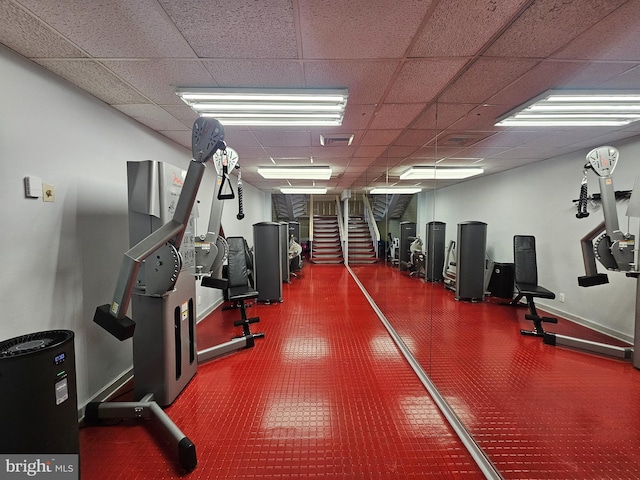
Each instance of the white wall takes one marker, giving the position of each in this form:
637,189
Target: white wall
537,200
61,259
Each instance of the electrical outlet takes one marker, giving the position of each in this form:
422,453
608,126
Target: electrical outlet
561,297
48,193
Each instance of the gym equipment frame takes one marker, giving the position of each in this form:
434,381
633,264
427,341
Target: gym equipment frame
613,249
153,283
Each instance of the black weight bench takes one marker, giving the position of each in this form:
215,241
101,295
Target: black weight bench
239,291
526,282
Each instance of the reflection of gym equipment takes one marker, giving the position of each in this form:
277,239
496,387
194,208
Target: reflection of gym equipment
416,264
39,404
449,272
526,282
164,329
407,235
471,261
295,256
613,249
435,252
394,250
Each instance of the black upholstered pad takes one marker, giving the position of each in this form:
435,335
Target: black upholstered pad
534,290
242,293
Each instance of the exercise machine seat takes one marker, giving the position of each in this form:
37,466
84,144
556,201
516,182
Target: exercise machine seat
526,282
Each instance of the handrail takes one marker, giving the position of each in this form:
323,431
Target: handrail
340,225
371,221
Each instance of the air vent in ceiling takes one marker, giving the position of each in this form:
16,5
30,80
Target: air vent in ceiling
462,139
339,140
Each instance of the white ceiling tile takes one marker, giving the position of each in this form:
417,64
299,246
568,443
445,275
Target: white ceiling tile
484,78
629,79
133,29
359,28
616,37
152,116
357,117
157,79
95,79
182,113
441,115
256,73
274,137
422,80
365,80
415,138
547,25
28,36
396,115
380,137
463,27
369,151
280,153
332,152
236,28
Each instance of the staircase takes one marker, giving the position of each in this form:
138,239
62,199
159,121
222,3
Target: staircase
326,246
360,247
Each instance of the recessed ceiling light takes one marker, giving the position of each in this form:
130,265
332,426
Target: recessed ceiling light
304,190
584,108
311,172
394,190
440,173
255,107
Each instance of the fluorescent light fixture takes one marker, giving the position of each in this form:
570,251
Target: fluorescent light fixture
581,108
255,107
304,190
394,190
311,172
440,173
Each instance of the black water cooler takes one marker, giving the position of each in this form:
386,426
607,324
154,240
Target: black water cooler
38,394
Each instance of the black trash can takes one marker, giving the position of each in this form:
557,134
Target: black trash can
39,404
501,283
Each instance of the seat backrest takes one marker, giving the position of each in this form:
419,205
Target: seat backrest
524,259
237,270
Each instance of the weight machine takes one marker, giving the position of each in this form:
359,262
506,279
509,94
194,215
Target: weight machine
165,357
614,249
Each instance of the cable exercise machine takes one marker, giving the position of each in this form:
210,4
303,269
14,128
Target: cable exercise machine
161,298
614,249
212,250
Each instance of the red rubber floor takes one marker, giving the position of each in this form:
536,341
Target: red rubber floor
325,394
538,411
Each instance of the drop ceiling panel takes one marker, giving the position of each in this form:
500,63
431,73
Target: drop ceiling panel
557,74
441,115
133,29
463,27
152,116
28,36
547,25
369,151
330,153
380,137
396,115
290,154
182,113
416,138
359,28
158,78
95,79
274,137
236,28
485,78
421,80
256,73
616,37
365,80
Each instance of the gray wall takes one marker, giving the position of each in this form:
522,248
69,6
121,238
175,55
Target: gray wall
537,200
61,259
